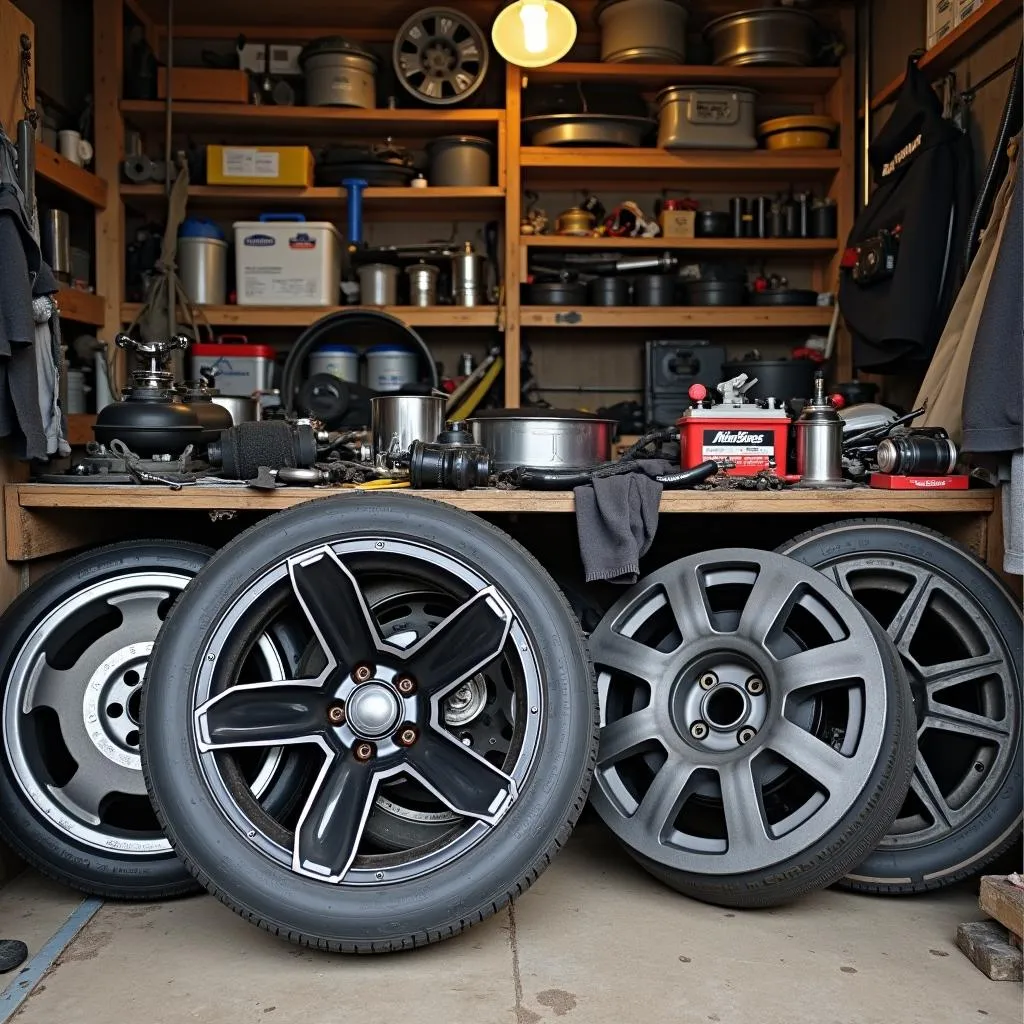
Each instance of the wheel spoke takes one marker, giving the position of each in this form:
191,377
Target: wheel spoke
769,598
741,803
824,764
467,783
927,790
328,832
965,670
821,667
949,719
53,688
84,791
626,736
624,654
688,601
659,806
908,616
335,608
465,643
263,715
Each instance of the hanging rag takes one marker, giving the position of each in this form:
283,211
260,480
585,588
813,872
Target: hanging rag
617,518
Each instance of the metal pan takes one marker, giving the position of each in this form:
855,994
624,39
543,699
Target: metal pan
587,130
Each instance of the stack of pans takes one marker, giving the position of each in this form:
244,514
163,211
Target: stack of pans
381,166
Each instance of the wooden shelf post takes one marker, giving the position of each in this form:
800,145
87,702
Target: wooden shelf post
513,216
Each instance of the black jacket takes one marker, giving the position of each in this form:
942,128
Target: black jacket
920,163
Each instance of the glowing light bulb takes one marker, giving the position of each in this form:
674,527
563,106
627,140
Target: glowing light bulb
534,17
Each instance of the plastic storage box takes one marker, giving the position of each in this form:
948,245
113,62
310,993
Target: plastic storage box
241,368
281,260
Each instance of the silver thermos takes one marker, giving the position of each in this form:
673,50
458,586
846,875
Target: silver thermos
55,239
469,287
819,439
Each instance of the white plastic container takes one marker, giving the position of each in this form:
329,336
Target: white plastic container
390,368
341,361
281,260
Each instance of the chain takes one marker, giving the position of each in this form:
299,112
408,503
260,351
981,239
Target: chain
31,114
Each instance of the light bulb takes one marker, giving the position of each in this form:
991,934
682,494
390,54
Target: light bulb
534,17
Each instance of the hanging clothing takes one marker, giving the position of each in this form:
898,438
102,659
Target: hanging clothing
942,389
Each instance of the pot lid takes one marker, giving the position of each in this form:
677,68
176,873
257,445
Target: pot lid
390,350
762,14
533,413
334,44
556,119
605,4
797,122
336,349
460,140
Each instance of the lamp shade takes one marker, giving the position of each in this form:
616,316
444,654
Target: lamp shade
532,33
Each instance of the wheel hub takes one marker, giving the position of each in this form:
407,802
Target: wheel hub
373,710
110,705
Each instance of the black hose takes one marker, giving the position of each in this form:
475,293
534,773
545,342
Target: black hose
316,332
1009,125
530,479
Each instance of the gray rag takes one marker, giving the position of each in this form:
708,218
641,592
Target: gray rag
617,517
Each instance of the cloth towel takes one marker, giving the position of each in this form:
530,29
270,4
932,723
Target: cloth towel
617,517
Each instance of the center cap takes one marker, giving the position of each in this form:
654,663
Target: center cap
373,711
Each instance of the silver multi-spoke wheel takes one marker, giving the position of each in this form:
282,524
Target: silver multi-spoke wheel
420,708
958,633
748,708
440,56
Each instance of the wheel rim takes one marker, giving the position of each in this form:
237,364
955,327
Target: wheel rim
967,694
737,726
71,731
440,56
372,715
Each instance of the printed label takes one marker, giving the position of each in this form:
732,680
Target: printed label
302,241
246,162
259,241
745,448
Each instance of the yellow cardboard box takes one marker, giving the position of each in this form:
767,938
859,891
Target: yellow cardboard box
283,166
678,223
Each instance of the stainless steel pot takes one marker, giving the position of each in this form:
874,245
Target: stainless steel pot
378,284
644,31
422,284
398,420
55,237
469,281
543,438
460,161
339,74
243,410
587,130
774,35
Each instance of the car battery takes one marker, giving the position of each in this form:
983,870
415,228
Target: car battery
750,436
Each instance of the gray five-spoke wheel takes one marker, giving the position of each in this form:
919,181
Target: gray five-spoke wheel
440,56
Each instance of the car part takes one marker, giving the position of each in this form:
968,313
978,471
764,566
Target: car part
532,479
398,420
214,416
460,161
645,31
670,368
958,632
455,465
781,379
587,130
73,651
800,131
339,73
337,404
241,451
440,56
543,438
819,439
779,36
757,728
704,117
371,716
916,453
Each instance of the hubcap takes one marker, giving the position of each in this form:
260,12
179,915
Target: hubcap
373,711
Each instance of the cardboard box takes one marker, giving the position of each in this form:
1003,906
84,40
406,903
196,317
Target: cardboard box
678,223
274,166
206,85
964,9
940,21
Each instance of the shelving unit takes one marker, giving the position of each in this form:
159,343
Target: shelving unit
805,246
69,178
81,307
676,316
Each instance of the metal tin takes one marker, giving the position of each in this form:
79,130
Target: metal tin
378,284
706,117
422,284
819,440
391,368
460,161
779,36
55,239
339,74
587,130
547,441
824,219
469,287
203,270
341,361
609,291
398,420
643,31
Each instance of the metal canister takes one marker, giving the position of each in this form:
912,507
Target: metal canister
378,284
803,214
55,238
422,284
398,420
762,216
819,439
738,212
824,218
468,286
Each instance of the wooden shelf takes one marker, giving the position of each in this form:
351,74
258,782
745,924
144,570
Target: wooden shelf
303,316
712,168
67,177
952,48
81,307
384,203
809,246
787,81
859,501
241,120
677,316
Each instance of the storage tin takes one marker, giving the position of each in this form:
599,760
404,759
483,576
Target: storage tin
203,262
422,284
703,117
339,74
378,284
390,368
341,361
460,161
241,369
643,31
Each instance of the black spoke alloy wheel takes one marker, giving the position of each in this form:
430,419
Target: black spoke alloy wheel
421,620
757,728
958,632
74,650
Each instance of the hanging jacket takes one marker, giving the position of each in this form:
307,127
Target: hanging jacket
921,165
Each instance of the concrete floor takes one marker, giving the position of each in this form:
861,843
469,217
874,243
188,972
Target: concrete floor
595,941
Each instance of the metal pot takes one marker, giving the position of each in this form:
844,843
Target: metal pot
422,284
378,284
654,290
398,420
644,31
243,410
773,35
785,297
587,130
543,438
609,291
801,131
469,282
715,293
556,293
339,74
575,221
714,224
460,161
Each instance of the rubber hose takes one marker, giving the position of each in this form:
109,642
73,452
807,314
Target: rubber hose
689,477
316,332
566,479
995,171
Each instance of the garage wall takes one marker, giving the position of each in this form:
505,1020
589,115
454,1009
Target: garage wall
63,57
